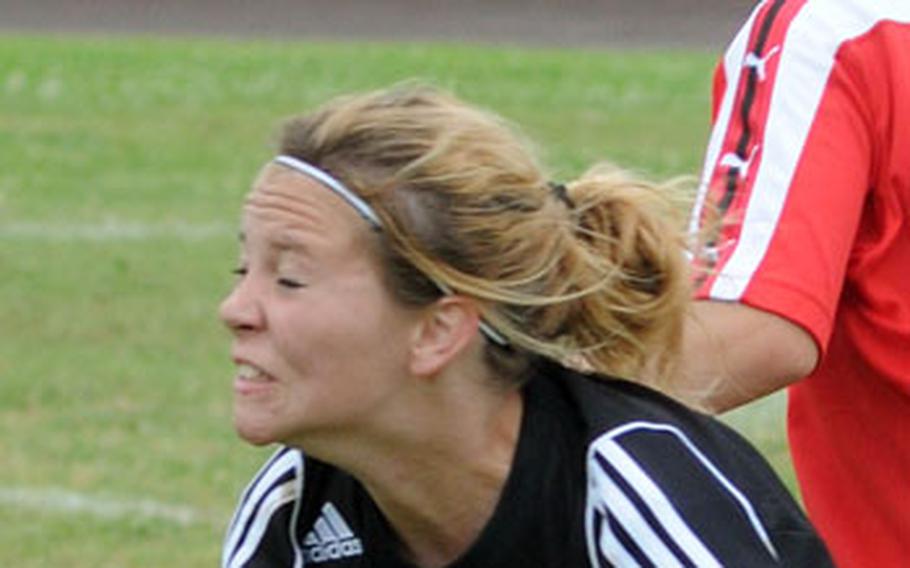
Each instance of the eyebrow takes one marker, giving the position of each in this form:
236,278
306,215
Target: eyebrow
285,240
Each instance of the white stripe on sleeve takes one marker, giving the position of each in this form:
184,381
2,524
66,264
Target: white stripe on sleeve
806,61
656,500
284,461
245,496
607,541
658,504
613,499
295,516
281,495
733,65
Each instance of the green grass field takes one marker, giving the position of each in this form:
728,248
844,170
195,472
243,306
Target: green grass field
122,165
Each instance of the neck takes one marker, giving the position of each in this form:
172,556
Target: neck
438,478
440,500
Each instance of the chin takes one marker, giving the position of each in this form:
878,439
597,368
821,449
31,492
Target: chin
255,434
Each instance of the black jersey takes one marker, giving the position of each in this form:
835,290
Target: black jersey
606,473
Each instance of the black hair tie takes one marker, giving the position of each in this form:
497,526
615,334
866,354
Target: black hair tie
561,193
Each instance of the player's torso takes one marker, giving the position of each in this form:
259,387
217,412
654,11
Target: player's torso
340,527
876,293
848,419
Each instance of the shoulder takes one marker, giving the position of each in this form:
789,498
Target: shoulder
607,402
661,494
272,498
654,496
788,50
823,24
667,485
797,44
614,411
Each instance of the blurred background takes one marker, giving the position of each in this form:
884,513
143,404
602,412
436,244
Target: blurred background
129,132
618,23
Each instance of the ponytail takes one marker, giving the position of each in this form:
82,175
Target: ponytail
628,254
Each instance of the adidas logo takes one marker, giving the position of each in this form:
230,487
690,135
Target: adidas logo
330,538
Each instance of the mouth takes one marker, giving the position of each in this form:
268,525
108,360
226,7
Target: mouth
247,372
251,379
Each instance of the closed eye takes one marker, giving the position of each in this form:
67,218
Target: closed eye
289,283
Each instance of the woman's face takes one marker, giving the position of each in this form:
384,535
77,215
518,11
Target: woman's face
320,345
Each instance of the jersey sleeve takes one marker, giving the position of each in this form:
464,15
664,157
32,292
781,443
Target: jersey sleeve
261,531
656,499
787,168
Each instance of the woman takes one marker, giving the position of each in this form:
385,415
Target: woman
430,330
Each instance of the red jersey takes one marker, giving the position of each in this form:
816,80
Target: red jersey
807,190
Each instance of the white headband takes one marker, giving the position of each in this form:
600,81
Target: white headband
367,212
326,179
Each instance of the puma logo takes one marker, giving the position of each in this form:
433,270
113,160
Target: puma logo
740,164
753,61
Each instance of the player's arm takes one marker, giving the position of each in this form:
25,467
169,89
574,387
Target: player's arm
733,354
786,177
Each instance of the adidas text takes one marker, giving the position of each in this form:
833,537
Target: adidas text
333,551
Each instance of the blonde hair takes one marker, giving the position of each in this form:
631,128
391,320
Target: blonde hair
592,274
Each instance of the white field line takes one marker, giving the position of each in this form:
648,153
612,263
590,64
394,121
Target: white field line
67,502
114,230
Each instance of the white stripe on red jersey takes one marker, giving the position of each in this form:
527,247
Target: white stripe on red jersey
764,170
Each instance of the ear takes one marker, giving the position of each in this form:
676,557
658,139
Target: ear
447,331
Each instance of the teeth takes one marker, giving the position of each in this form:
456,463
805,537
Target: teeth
250,373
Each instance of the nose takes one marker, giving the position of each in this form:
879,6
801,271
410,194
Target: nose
241,310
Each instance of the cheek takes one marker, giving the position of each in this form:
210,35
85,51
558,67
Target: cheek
321,335
296,339
347,327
